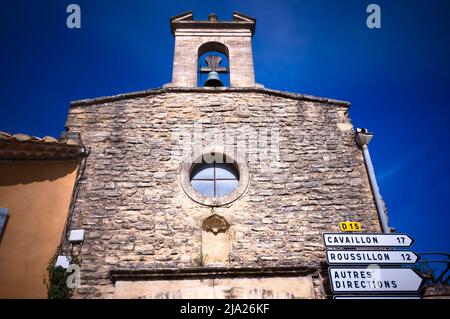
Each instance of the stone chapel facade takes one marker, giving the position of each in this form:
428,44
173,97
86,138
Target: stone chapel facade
193,191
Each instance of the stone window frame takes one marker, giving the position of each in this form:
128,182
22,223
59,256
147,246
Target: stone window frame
237,193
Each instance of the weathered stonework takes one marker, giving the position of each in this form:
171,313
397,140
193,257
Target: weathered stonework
137,216
222,288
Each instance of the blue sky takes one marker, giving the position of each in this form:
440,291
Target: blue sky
397,77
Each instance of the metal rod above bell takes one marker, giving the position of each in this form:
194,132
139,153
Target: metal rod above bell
213,80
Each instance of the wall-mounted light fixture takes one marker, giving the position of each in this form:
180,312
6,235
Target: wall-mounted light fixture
62,261
76,236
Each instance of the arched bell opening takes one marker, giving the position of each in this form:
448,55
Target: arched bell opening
213,65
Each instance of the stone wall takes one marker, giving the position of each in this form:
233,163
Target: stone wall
137,216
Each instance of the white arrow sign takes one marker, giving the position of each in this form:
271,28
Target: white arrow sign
367,240
345,257
345,280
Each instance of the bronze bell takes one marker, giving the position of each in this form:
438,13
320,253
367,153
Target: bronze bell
213,80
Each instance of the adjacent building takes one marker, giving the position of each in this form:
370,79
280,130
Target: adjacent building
37,178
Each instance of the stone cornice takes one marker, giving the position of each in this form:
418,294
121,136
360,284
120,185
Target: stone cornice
289,95
209,272
186,20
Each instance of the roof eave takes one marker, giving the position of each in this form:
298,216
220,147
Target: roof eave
296,96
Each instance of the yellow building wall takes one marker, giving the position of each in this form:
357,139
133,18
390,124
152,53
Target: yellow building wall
37,195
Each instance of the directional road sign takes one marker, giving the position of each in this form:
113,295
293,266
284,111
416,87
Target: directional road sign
374,279
361,257
376,297
367,240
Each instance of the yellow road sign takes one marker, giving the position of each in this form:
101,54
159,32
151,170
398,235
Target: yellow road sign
350,226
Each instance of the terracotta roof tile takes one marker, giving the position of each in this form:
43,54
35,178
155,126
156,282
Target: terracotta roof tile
25,147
